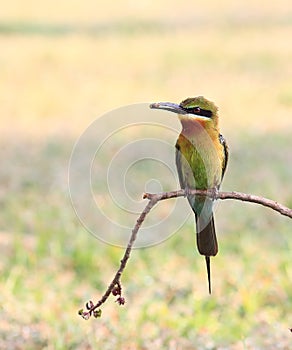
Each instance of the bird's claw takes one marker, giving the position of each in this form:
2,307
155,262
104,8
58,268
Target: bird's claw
214,193
187,191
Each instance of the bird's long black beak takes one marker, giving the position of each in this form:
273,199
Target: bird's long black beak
168,106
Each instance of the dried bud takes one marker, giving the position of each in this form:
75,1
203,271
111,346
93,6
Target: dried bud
121,301
97,313
89,305
86,315
116,290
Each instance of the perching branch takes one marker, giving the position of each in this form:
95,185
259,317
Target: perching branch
115,287
244,197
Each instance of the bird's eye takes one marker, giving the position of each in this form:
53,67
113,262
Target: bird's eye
199,111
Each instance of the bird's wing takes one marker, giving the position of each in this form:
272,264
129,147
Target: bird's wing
226,154
178,161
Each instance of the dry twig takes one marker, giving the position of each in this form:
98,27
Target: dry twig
115,287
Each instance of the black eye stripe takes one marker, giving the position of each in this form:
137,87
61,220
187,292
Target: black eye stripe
199,111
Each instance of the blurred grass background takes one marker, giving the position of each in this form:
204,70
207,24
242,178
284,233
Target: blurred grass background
64,64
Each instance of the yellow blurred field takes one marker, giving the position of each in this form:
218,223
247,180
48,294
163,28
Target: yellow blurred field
238,56
64,64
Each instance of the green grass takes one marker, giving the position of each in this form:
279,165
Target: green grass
50,265
65,63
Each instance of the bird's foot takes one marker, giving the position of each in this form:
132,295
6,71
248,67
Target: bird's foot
187,191
214,193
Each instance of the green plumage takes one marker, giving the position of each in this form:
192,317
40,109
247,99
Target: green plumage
201,159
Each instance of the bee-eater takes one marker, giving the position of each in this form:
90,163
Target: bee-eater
201,159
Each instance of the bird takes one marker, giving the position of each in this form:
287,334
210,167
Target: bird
201,159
